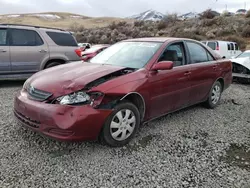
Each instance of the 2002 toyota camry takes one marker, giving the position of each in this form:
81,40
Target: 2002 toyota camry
131,82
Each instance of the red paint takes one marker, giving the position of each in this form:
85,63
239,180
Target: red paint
163,91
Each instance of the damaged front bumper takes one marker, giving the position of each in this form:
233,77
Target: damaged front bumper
62,122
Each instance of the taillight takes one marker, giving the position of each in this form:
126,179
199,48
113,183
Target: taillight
79,52
217,48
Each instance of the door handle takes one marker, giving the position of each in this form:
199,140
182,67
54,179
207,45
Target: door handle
187,73
43,51
1,50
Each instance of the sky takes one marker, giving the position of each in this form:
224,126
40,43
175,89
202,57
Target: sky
117,8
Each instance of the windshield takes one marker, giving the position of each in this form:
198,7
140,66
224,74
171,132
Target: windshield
128,54
244,54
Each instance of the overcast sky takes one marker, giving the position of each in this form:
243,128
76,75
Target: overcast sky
117,8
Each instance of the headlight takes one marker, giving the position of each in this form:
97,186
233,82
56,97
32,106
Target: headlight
74,98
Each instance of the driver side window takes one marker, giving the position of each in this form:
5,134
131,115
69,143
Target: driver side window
174,53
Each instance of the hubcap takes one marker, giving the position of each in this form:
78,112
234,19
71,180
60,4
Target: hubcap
122,124
216,93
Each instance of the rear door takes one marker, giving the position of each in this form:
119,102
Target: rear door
204,71
27,50
4,51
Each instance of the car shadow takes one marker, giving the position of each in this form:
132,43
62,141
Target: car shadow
11,83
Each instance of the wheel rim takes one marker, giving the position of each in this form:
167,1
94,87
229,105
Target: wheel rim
122,125
216,93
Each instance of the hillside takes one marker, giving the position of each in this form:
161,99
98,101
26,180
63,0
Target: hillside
59,19
207,27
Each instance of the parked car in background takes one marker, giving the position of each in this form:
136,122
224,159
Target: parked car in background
84,46
241,67
224,48
241,12
129,83
93,51
25,50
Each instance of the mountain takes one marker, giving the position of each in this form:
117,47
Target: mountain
148,15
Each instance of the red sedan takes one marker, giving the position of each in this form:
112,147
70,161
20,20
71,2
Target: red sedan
93,51
131,82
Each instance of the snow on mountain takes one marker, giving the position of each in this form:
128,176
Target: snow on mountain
47,16
13,16
149,15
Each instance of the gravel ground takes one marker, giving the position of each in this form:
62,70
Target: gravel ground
195,147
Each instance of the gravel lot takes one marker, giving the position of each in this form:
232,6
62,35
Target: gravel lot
195,147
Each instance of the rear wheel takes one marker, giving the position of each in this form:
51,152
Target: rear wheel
214,95
52,64
121,126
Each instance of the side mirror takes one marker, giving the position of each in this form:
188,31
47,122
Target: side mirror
163,65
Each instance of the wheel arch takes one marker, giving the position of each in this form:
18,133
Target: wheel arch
138,100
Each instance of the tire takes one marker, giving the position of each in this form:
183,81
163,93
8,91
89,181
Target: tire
214,96
52,64
118,124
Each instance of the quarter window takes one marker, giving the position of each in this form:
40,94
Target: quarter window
236,47
3,37
21,37
232,46
62,39
174,53
198,54
228,46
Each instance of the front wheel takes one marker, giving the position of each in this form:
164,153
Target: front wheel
214,95
121,126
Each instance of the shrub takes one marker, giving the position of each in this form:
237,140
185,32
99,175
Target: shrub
246,31
208,14
248,14
162,25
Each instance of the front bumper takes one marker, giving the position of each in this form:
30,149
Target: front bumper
62,122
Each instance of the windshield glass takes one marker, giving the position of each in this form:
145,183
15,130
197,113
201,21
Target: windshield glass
128,54
244,54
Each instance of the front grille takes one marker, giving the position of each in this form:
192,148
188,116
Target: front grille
37,94
27,121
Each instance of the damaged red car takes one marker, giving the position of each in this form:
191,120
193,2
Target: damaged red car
130,83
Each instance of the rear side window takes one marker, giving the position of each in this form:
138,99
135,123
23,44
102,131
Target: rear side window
198,53
3,37
228,46
232,46
212,45
21,37
62,39
236,47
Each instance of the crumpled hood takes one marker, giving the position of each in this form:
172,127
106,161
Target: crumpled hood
244,61
65,79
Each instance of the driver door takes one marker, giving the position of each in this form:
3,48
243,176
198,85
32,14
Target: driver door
170,89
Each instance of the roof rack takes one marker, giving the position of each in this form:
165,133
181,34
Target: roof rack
6,24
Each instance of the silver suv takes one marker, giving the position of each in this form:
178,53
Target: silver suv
25,49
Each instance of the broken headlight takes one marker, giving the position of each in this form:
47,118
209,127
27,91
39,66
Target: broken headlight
79,97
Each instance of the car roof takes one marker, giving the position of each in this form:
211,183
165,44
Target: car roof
156,39
21,26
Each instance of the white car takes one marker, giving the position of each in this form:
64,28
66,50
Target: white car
225,49
241,67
